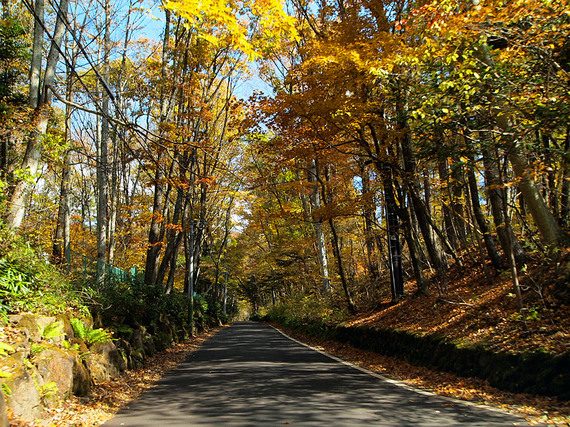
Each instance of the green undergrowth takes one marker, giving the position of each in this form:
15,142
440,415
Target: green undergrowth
30,283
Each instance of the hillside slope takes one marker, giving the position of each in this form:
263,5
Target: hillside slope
475,312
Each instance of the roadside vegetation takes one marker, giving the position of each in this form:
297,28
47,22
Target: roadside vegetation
407,169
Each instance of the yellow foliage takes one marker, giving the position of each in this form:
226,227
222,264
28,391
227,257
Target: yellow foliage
219,22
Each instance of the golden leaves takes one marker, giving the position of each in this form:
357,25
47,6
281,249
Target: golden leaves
224,22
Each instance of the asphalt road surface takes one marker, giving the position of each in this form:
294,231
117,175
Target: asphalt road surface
251,374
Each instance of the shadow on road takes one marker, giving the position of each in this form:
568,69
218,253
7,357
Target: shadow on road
250,374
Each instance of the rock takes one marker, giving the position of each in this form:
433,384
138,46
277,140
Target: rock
138,356
125,351
162,341
24,398
111,354
82,381
103,361
3,414
137,338
55,365
149,347
32,326
82,347
13,319
20,343
98,368
67,328
13,363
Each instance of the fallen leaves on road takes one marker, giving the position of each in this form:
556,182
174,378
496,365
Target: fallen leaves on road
535,409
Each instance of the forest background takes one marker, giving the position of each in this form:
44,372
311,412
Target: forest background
409,168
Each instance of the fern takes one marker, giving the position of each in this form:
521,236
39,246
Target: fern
78,328
53,330
88,334
6,349
7,390
95,336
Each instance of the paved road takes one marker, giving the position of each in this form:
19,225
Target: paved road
251,374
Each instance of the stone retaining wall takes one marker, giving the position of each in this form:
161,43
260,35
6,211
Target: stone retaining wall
42,362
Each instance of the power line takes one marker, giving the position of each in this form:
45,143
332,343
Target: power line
144,135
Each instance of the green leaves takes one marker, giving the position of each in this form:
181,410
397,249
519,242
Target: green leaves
88,334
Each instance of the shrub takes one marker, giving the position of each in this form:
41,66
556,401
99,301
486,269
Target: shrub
136,303
30,283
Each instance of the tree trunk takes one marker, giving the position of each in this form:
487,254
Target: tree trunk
154,243
318,227
498,199
417,255
189,277
394,249
37,47
173,240
369,215
480,217
61,239
446,203
172,270
457,204
349,301
550,230
102,161
432,242
565,196
40,104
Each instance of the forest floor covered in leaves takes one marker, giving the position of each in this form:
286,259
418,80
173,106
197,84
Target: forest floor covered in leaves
473,311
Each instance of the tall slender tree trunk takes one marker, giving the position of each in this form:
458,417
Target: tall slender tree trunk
117,140
480,217
154,243
416,252
565,196
391,213
432,243
349,301
369,215
498,199
39,101
551,232
446,208
457,204
394,248
172,236
61,244
318,227
102,147
189,276
337,249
